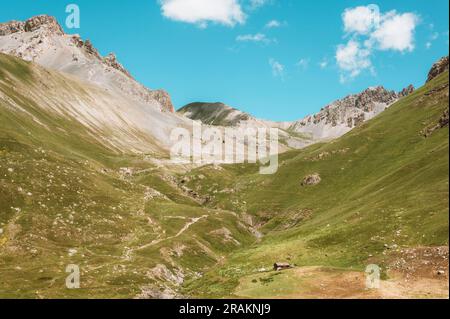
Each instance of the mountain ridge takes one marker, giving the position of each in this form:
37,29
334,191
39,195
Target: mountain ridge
333,120
42,39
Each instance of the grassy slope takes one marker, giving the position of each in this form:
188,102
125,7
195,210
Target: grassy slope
383,183
60,189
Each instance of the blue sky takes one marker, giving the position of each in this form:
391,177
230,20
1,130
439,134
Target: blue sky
277,59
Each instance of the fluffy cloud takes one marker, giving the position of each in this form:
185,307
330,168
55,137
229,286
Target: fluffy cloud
352,59
200,12
361,19
277,68
396,32
372,30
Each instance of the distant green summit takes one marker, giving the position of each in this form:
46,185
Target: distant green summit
217,114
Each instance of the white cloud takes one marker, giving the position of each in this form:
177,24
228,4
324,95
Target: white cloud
258,37
396,32
323,64
371,30
201,12
352,59
361,20
277,68
303,63
254,4
433,37
273,24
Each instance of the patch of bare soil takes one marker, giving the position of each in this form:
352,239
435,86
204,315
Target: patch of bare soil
420,272
412,273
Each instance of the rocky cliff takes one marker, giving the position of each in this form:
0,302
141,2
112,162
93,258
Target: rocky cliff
439,67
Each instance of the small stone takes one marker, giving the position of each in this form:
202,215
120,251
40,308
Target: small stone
441,272
72,252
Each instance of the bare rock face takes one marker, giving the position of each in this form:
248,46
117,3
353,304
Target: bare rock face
43,21
367,99
11,27
343,115
439,67
39,22
164,99
89,48
311,180
406,91
111,60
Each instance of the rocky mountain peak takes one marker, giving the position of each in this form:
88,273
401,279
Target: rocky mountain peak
43,21
439,67
46,22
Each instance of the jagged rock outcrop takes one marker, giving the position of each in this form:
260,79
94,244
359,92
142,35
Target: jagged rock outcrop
43,21
30,25
164,99
343,115
406,91
42,40
111,60
11,27
439,67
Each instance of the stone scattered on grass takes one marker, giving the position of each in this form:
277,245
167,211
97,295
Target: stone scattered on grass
311,180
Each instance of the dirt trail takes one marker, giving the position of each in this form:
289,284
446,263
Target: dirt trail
185,228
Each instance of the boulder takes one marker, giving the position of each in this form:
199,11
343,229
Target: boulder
311,180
